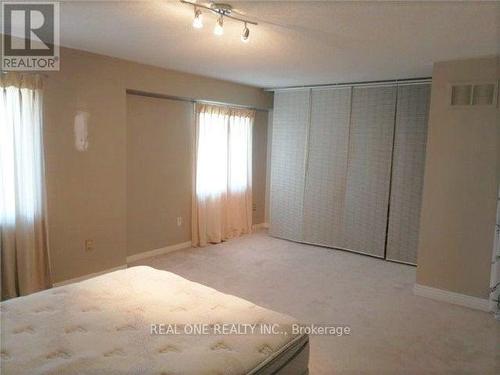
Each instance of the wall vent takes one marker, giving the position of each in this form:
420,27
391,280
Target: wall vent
473,94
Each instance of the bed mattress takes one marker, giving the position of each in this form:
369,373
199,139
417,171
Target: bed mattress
143,320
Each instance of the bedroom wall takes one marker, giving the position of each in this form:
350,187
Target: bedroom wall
259,170
159,164
86,191
461,177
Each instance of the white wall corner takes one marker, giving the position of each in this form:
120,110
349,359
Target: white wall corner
160,251
88,276
452,297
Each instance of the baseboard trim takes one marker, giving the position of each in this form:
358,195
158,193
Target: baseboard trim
160,251
452,297
260,226
89,276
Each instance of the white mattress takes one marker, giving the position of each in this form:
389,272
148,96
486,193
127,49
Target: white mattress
104,325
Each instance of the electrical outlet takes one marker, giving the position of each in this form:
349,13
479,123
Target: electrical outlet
254,207
179,221
89,245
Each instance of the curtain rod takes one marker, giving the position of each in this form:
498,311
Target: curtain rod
45,75
392,82
191,100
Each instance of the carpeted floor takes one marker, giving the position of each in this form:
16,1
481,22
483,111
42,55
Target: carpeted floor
393,331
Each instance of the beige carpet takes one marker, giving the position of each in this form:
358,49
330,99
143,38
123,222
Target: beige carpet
393,331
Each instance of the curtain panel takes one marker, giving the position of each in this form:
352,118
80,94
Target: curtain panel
222,194
23,227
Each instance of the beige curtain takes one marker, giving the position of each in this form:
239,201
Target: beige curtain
222,197
23,235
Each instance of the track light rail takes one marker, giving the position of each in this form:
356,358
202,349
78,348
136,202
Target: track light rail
219,12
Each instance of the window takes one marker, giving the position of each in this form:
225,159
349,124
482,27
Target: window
224,152
223,190
20,154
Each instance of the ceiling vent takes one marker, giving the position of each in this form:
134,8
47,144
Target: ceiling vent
473,94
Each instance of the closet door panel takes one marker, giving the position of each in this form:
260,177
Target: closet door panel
368,171
327,166
289,140
407,172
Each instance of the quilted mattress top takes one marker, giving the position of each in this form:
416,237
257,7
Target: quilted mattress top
105,325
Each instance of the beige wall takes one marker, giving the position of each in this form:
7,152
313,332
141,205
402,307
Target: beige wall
159,164
259,170
86,191
460,185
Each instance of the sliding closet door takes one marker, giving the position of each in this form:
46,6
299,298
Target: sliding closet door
290,130
368,171
412,113
327,166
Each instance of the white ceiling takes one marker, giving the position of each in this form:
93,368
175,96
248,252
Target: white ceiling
295,43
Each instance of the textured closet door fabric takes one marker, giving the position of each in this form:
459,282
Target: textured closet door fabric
327,167
368,171
290,129
408,172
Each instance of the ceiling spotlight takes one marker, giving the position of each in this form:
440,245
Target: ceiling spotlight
219,26
197,22
245,35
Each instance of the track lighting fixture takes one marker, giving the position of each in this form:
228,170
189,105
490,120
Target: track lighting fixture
219,26
197,21
221,10
245,35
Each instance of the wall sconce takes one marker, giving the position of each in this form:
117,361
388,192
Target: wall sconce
81,130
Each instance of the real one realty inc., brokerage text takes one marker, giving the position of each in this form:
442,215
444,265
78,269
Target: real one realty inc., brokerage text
249,329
